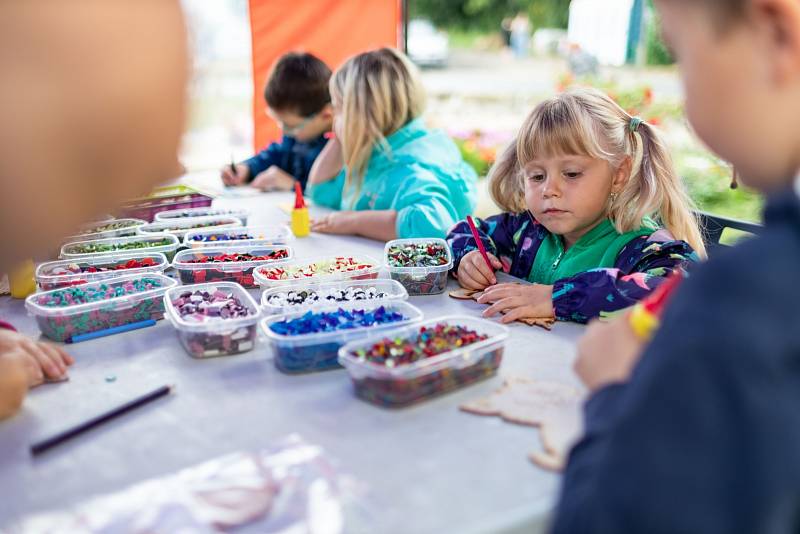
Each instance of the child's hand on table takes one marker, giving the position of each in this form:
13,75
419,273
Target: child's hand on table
607,353
41,360
473,273
518,301
229,178
338,222
274,179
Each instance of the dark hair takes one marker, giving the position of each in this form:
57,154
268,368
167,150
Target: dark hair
727,11
298,83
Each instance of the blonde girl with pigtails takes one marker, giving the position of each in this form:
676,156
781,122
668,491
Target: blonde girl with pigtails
595,215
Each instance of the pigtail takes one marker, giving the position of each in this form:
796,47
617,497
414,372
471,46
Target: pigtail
662,188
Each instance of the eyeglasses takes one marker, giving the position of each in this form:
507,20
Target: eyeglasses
296,129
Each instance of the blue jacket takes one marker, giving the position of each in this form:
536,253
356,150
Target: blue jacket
705,437
289,155
421,175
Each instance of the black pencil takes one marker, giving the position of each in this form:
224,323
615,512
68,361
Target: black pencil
61,437
233,166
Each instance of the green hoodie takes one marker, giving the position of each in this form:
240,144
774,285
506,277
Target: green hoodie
421,176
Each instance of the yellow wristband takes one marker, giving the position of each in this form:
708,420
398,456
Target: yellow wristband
643,323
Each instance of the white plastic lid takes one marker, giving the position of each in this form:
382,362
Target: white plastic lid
181,227
172,246
180,261
411,314
455,358
394,291
119,303
129,230
201,212
212,324
44,272
277,234
263,281
418,270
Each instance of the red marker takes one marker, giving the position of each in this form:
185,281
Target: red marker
477,237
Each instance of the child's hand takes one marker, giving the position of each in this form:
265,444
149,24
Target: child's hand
338,222
518,301
13,383
473,273
229,178
607,353
273,179
41,360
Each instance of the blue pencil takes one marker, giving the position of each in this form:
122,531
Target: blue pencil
110,331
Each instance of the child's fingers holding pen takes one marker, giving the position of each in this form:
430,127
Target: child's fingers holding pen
487,274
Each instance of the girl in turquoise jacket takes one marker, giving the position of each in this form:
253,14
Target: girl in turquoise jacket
386,174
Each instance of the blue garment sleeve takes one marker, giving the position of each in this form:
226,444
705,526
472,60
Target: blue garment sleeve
700,439
423,206
328,194
640,268
272,155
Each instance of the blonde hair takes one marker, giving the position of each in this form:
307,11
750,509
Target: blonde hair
587,122
378,93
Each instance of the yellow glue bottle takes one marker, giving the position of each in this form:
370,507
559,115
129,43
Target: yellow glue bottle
301,223
20,280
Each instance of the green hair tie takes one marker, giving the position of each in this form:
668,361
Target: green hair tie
634,124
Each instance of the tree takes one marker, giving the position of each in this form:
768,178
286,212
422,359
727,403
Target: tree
486,15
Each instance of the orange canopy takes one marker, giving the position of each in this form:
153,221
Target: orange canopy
333,30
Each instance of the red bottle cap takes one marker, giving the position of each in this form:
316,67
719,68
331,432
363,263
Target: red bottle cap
299,203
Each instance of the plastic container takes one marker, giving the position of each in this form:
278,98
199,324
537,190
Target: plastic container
240,272
180,227
63,322
319,352
167,244
89,231
370,271
170,215
420,280
394,387
167,198
215,336
48,280
257,235
393,290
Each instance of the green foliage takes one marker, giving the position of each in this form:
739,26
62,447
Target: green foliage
656,49
472,157
708,181
486,15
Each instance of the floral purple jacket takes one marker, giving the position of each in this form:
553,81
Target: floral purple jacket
642,265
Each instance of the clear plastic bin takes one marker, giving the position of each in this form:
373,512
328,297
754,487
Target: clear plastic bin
420,280
307,353
215,336
393,290
180,227
394,387
255,235
167,244
48,279
240,272
370,271
173,197
95,230
171,215
63,322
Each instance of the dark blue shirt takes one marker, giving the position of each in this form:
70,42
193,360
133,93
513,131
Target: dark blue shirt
290,155
705,437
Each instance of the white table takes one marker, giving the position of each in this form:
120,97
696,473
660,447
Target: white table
429,468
